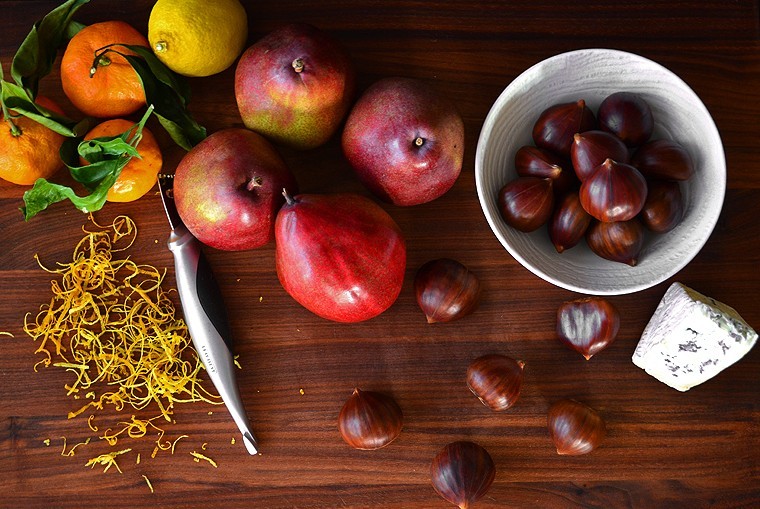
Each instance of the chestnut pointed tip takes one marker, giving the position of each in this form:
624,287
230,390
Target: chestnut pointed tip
430,319
587,357
559,248
581,103
577,137
521,364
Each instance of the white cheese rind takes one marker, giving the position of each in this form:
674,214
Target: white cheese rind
691,338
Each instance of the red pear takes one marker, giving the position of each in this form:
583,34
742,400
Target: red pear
405,141
295,85
341,256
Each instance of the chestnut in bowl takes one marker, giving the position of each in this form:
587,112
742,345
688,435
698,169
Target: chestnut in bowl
592,75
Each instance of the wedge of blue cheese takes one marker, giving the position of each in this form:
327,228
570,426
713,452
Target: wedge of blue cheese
691,338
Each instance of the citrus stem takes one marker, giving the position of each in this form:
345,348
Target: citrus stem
101,60
15,130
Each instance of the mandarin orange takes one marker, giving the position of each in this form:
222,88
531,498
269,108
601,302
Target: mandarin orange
32,151
114,89
139,175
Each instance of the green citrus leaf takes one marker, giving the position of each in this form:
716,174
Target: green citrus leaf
108,155
36,55
163,73
45,193
167,92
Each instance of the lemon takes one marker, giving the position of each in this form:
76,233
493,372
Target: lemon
197,37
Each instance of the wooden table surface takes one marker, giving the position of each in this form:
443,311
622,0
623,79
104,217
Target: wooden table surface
664,448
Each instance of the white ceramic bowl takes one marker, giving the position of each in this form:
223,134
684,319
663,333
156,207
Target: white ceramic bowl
593,74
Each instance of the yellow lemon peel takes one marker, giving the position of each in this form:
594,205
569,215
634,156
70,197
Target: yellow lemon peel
198,456
108,460
147,481
73,447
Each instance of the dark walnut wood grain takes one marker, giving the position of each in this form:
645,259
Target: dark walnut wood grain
663,449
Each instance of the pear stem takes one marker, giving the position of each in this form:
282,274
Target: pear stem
254,183
289,200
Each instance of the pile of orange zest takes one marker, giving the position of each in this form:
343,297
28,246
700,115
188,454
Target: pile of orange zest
108,460
110,324
110,321
198,456
148,482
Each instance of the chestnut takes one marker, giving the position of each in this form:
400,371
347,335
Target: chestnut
663,159
618,242
446,290
496,380
369,420
556,126
663,208
592,148
569,222
615,192
526,203
574,427
587,325
536,162
628,116
462,472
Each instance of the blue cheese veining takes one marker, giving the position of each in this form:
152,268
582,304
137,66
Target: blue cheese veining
691,338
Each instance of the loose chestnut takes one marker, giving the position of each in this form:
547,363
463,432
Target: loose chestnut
557,124
615,192
619,242
592,148
569,222
536,162
663,159
663,209
462,473
526,203
446,290
369,420
496,380
575,427
627,116
587,325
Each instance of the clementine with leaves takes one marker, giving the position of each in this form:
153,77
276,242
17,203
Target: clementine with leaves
140,174
29,150
102,83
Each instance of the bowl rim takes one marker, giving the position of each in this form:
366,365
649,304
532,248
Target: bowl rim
710,128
